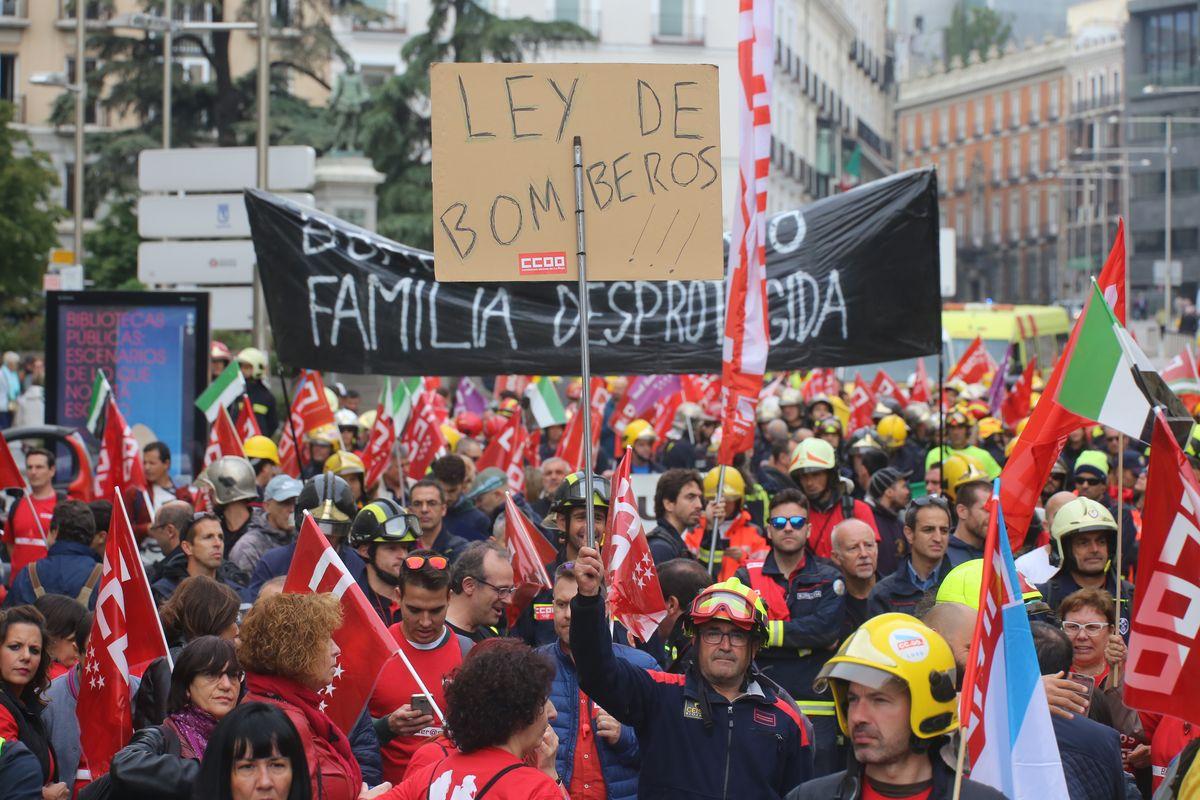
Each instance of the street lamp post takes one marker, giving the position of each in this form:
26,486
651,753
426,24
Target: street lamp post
264,138
168,40
80,121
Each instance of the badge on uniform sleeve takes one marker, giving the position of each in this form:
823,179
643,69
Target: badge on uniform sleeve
1123,626
691,710
543,612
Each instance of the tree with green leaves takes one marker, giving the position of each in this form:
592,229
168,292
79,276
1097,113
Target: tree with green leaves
27,228
975,28
396,129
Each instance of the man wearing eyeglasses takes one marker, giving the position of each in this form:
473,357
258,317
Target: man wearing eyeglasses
805,612
722,729
927,531
431,649
481,589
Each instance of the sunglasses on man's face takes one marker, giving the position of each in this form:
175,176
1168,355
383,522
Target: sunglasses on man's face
779,523
1088,481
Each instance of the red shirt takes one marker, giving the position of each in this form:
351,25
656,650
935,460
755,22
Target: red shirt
26,542
464,775
869,793
396,687
587,781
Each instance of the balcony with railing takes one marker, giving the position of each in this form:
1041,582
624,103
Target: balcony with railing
14,13
96,13
390,16
18,104
677,22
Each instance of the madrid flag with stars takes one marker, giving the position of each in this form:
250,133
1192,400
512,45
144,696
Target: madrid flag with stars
634,596
364,641
125,632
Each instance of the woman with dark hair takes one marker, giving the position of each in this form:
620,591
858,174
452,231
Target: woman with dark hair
512,683
67,623
255,753
199,606
23,681
289,655
162,761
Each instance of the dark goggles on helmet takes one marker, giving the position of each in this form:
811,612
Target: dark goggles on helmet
402,528
575,494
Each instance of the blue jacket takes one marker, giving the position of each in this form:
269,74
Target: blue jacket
799,644
275,562
897,592
64,570
20,773
1091,758
465,520
620,763
1061,584
959,552
694,743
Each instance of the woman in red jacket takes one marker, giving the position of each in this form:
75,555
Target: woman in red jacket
289,654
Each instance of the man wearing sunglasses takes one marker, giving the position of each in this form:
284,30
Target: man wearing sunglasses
433,651
1091,481
722,729
805,612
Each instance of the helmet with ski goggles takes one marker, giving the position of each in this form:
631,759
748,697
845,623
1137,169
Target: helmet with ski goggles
571,493
731,601
384,521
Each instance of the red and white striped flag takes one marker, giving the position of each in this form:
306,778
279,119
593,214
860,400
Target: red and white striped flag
744,349
223,439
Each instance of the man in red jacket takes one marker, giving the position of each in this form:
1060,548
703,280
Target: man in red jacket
814,469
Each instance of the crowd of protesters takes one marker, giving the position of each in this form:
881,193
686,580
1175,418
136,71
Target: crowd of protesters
791,581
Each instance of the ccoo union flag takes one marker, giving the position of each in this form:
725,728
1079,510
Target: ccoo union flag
1006,719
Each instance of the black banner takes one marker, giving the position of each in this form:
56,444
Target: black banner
851,279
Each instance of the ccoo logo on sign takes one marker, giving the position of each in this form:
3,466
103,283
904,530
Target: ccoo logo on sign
542,263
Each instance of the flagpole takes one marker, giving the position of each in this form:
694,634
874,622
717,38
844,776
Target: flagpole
716,522
960,763
585,364
1120,537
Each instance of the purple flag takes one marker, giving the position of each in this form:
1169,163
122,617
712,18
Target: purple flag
468,398
997,392
643,392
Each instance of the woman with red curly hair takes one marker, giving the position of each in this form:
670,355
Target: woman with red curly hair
288,652
498,716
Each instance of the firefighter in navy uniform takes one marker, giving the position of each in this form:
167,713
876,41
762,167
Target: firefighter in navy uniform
803,595
568,518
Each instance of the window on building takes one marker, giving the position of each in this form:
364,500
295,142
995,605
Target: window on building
961,121
977,221
1185,180
92,9
926,127
1053,110
677,19
960,222
1014,158
1052,211
570,11
997,219
979,117
944,126
8,77
1146,184
1169,43
910,133
1035,208
960,170
1035,103
997,110
997,161
1014,216
1035,153
89,65
1116,85
1079,98
1014,107
1052,151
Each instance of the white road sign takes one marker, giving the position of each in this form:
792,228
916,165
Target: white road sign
197,216
223,169
230,308
226,261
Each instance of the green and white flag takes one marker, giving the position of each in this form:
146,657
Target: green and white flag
1109,379
405,397
101,392
543,399
221,393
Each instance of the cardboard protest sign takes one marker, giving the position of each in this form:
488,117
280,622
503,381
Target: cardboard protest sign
503,183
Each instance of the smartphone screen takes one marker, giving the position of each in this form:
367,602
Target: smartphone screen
420,702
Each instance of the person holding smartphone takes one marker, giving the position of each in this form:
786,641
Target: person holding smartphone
408,705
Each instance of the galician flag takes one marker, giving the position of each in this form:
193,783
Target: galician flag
223,392
101,392
1108,378
545,404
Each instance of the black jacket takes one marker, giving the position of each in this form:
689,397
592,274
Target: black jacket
31,732
151,768
897,592
1063,584
891,536
666,543
264,406
847,785
173,570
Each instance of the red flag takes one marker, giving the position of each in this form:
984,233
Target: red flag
884,386
247,421
10,473
529,571
422,438
378,452
702,389
1016,404
310,409
974,363
510,383
663,418
120,461
862,404
570,446
125,631
223,439
533,448
365,643
506,451
1034,454
1163,631
634,595
920,388
1112,276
